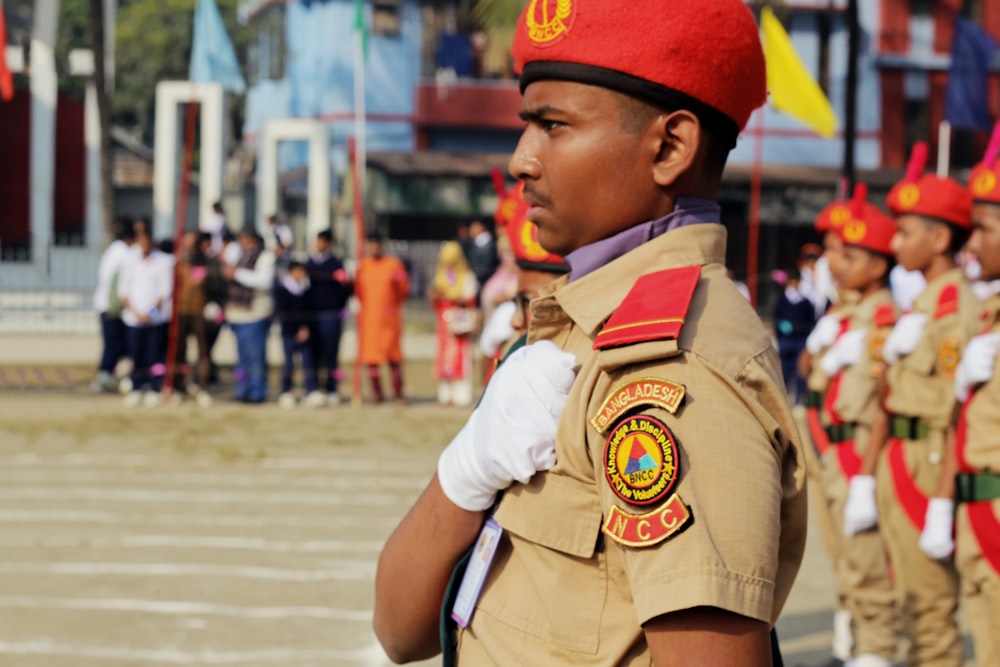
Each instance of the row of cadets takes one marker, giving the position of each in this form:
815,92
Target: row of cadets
975,455
828,224
843,364
852,366
902,463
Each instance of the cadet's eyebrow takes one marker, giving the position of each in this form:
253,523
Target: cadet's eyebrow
529,115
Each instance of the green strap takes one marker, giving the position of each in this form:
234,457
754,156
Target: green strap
974,488
448,627
814,399
908,428
841,432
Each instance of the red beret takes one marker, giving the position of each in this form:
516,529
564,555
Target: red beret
930,196
833,217
511,214
985,177
702,56
870,229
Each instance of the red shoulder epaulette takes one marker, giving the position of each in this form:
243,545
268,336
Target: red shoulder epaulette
885,316
947,301
654,308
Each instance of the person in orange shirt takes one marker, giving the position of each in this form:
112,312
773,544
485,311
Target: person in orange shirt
382,286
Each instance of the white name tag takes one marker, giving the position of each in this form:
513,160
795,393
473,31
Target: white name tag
475,572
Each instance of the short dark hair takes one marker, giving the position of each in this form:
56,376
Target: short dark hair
957,236
325,235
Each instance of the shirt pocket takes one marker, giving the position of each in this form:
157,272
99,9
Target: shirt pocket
554,582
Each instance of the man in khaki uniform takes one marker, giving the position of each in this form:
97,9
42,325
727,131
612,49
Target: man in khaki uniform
853,365
908,438
666,521
976,452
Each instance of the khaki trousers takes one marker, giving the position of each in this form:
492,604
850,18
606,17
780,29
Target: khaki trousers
980,590
927,589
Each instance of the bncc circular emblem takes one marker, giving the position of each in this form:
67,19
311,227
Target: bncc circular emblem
839,215
855,231
640,460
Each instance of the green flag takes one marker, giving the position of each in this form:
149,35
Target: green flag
359,25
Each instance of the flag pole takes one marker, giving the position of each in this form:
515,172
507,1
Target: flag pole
944,149
753,231
358,159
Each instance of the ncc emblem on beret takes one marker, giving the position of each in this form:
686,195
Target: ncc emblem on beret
855,231
548,20
839,215
909,196
984,183
640,460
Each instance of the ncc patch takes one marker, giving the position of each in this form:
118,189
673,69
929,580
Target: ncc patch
645,530
948,356
640,460
647,391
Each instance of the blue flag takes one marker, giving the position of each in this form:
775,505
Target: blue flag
967,103
213,59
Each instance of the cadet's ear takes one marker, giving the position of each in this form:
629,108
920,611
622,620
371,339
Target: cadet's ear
679,136
940,237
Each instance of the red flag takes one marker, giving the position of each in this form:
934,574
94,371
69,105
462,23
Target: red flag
6,78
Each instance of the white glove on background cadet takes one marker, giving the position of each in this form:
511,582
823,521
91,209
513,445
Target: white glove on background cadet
823,334
977,364
936,540
511,435
860,511
904,337
845,352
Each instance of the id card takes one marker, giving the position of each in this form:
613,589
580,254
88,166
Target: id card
475,572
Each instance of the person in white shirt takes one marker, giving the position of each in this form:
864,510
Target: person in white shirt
215,225
109,307
145,287
278,237
248,311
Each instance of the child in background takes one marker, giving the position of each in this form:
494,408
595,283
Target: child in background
794,317
294,312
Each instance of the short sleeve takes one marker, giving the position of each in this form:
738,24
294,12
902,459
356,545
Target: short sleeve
729,478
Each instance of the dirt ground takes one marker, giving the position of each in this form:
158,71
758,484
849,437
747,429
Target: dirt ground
236,535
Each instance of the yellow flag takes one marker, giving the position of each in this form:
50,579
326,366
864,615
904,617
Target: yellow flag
791,89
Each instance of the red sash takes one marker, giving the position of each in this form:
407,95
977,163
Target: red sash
850,462
910,497
816,430
984,523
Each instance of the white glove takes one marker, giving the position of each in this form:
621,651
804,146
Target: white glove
498,329
860,511
823,334
511,435
936,540
845,352
978,362
904,337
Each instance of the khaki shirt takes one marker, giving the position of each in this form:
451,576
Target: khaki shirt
562,593
921,384
857,396
982,417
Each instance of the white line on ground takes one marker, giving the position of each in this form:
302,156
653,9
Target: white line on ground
334,520
341,570
257,479
184,608
178,657
191,542
199,497
338,461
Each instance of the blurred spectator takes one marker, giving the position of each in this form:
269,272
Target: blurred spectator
192,298
498,291
809,285
331,288
216,291
216,226
109,306
481,252
294,312
794,317
231,250
278,238
249,307
382,286
453,296
145,287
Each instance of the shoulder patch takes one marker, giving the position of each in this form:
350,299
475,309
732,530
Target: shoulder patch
641,462
885,316
947,301
646,530
654,308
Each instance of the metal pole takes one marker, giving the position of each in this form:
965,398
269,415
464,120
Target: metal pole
851,95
